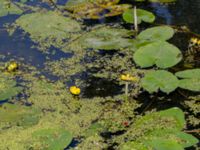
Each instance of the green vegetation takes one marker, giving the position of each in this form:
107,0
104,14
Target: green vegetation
45,115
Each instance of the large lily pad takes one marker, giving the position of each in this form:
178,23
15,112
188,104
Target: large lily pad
142,15
160,33
8,88
190,79
7,7
161,79
52,139
159,137
161,54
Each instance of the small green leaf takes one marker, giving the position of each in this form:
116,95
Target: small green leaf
161,79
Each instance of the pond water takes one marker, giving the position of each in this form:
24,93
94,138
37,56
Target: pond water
20,48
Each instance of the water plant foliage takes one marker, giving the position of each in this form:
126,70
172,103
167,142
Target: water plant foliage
46,114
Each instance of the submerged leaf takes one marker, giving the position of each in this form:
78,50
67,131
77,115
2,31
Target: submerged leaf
106,38
52,139
8,88
48,28
14,114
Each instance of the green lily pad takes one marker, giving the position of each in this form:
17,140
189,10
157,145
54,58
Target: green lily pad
52,139
161,54
142,15
8,88
161,79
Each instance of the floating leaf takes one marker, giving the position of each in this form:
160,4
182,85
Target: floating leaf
8,88
7,7
159,33
191,79
161,79
162,54
52,139
142,15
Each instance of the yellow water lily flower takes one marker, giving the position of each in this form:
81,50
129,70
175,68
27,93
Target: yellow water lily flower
194,40
12,66
128,77
75,90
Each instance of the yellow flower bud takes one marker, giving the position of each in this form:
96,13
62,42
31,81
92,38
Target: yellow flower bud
128,77
12,66
75,90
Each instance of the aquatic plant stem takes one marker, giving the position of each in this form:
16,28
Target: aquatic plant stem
135,20
126,88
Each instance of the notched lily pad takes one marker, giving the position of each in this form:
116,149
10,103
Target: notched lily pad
161,79
162,54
